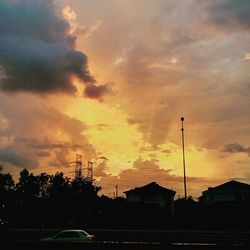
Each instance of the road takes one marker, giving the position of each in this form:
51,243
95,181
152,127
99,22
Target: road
131,239
28,245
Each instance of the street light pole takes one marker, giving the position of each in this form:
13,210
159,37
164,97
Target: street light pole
116,191
183,158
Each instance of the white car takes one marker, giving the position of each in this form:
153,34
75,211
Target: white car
71,235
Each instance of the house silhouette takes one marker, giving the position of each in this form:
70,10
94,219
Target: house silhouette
227,193
152,193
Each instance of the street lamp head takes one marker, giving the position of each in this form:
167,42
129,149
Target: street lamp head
182,118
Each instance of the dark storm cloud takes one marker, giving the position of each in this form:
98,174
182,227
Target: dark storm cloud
33,18
96,92
8,155
37,66
46,144
34,132
37,51
236,148
230,14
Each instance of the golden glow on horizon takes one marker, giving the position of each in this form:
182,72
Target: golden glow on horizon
121,143
108,130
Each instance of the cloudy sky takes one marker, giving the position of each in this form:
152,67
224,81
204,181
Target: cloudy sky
110,79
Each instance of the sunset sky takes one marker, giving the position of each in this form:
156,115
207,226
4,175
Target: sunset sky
110,79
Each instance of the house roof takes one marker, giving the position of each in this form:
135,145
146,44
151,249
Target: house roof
230,186
152,187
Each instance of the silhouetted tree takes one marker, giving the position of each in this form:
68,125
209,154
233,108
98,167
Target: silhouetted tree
59,186
44,184
6,188
28,185
6,182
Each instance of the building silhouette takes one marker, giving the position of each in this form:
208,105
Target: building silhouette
232,192
152,193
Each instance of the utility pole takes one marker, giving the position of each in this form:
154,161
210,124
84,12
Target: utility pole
183,157
116,191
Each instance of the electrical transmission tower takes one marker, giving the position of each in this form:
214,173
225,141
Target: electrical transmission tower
78,167
89,175
85,174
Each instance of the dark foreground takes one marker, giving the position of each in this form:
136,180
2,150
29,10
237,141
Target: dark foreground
19,239
116,246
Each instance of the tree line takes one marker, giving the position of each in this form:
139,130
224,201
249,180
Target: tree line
45,200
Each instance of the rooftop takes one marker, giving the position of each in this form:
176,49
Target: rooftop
152,187
229,186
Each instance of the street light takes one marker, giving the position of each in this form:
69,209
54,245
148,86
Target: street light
183,158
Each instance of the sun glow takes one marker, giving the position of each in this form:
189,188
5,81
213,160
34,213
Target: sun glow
109,131
121,143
